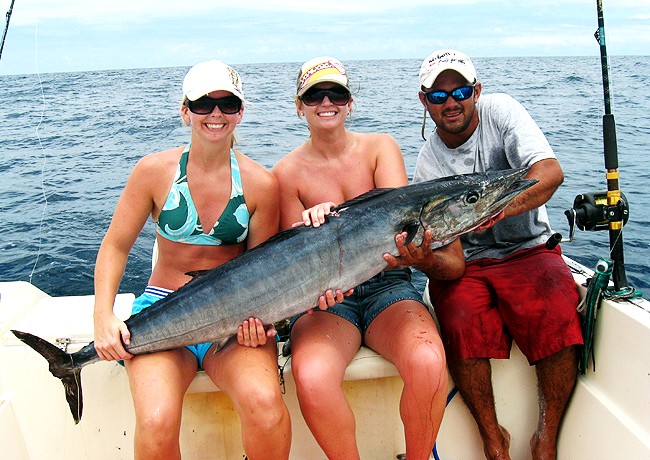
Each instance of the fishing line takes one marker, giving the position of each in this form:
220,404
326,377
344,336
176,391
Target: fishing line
43,156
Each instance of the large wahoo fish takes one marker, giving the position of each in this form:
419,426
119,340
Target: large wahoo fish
285,275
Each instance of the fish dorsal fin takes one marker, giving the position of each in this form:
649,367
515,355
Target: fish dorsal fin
197,273
375,192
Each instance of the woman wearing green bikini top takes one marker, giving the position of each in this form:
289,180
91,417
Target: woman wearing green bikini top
196,231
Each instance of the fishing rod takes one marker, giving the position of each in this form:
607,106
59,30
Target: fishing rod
605,210
4,35
617,210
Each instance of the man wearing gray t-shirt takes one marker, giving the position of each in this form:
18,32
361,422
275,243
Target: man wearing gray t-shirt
514,287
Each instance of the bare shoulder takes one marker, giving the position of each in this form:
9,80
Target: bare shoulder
154,171
377,140
385,155
159,162
289,164
377,146
148,184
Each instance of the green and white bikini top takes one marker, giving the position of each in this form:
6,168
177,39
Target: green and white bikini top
179,220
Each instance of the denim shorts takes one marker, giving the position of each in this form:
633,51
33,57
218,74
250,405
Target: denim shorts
372,297
152,294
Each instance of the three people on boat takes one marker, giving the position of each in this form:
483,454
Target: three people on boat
487,288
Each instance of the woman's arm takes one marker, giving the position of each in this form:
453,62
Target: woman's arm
133,208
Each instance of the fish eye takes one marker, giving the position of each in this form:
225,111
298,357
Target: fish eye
472,197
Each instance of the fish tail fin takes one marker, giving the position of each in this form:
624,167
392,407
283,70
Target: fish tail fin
62,366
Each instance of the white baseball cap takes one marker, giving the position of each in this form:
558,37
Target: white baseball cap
208,76
447,59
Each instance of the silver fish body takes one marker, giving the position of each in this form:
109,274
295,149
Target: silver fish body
285,275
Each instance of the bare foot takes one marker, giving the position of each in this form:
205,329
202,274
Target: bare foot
542,449
499,450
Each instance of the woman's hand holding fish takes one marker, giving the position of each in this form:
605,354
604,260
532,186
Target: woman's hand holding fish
315,216
331,298
252,333
110,336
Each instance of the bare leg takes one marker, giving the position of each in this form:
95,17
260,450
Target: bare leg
158,382
556,377
249,376
473,377
406,335
322,345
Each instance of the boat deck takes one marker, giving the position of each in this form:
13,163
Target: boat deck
607,417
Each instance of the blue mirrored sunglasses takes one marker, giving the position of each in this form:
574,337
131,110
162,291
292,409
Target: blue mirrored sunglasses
459,94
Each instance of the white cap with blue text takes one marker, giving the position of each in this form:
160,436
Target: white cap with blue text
208,76
447,59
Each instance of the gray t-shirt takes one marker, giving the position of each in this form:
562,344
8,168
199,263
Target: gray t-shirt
506,137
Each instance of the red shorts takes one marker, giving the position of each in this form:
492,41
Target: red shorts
530,297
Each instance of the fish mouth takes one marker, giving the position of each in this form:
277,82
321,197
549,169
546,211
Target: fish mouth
517,187
506,185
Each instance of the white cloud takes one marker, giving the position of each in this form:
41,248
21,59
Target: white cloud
102,11
81,34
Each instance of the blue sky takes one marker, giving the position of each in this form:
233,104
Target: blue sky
72,35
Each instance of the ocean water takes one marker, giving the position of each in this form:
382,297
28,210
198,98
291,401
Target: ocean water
68,142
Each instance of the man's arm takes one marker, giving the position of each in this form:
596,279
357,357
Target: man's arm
549,175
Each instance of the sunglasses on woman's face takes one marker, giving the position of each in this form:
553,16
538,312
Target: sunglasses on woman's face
337,96
205,105
459,94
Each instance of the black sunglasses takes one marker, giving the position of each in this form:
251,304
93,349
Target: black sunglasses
205,105
459,94
337,96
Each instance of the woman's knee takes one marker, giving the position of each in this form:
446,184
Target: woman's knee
424,362
315,375
262,405
159,421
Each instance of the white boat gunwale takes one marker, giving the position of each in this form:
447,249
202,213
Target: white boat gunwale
606,417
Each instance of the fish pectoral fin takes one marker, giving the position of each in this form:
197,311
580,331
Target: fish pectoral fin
411,230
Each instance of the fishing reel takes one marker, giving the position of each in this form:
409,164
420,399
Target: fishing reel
591,212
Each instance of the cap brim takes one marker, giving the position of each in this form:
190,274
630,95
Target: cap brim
332,79
432,76
197,94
